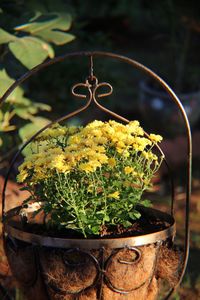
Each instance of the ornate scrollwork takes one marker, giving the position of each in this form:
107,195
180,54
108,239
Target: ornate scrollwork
77,258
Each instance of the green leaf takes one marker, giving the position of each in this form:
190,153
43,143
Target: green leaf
107,218
49,21
49,49
126,224
1,115
6,37
134,215
25,188
16,97
57,37
42,106
95,229
50,27
23,113
31,128
30,51
146,203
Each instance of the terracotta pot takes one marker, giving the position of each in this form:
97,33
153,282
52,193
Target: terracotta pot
129,268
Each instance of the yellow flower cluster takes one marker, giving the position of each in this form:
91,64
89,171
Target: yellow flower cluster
86,149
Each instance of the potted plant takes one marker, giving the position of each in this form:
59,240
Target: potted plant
86,225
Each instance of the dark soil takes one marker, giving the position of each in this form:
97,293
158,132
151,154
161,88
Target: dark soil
148,223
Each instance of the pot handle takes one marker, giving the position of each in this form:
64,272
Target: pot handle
162,83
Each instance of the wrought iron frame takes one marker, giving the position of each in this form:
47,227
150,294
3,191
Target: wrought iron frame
92,85
101,265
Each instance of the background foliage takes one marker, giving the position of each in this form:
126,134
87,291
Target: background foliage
26,42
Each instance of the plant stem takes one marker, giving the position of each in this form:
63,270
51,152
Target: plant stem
105,198
75,208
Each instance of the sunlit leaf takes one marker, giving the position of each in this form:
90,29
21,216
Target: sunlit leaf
49,49
50,27
5,83
42,106
1,115
30,51
51,21
57,37
6,37
31,128
23,106
23,113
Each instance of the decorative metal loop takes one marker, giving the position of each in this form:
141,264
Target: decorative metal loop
95,262
109,261
81,263
92,85
104,84
79,85
92,81
132,262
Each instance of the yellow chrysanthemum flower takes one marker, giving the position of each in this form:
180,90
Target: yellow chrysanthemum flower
128,170
114,195
21,177
156,138
112,162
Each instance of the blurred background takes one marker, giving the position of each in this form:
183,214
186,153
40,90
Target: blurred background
163,35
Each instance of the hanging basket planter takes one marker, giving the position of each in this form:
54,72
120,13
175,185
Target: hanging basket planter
100,245
88,268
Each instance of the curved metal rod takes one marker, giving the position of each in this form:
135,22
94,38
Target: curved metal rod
37,69
165,86
121,290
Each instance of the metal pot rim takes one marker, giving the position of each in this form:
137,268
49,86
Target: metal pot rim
96,243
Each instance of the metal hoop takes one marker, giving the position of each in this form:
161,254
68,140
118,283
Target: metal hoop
162,83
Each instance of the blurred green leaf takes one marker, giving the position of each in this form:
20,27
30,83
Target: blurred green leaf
134,215
6,37
5,83
27,111
49,49
60,21
42,106
146,203
23,107
50,27
31,128
57,37
23,113
1,115
30,51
